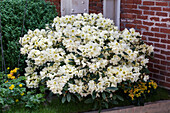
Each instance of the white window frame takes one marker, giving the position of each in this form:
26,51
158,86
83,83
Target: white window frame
115,7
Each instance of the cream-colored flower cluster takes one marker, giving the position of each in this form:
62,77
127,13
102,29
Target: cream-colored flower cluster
83,54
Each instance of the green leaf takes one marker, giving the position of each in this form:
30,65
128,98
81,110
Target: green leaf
112,88
104,95
114,97
78,36
106,105
119,97
68,97
115,102
93,95
101,56
89,100
63,99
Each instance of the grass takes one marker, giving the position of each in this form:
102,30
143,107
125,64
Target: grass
57,107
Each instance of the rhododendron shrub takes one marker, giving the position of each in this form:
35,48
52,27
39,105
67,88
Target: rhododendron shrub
84,55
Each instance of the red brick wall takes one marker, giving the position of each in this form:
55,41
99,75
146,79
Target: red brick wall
95,6
58,4
152,19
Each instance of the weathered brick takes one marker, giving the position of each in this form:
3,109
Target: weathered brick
160,35
155,29
162,14
142,17
148,23
156,8
161,24
161,67
153,39
162,3
148,3
165,19
154,18
144,7
164,30
159,45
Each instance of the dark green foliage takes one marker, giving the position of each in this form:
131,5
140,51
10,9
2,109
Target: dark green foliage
38,14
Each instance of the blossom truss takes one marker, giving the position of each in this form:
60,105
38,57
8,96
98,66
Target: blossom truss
83,54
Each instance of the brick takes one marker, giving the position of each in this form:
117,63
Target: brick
167,79
144,38
161,14
160,45
165,63
158,77
162,3
125,15
155,29
165,52
142,27
148,12
148,3
154,18
168,47
137,21
164,84
166,9
163,30
165,73
148,33
160,35
148,23
165,20
156,8
142,17
144,7
168,36
130,25
156,50
161,67
155,61
165,41
130,6
153,39
161,24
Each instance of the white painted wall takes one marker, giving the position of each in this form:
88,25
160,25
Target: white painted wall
69,7
111,9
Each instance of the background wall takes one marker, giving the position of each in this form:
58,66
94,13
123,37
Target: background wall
152,19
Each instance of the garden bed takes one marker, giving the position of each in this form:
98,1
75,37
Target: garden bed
162,98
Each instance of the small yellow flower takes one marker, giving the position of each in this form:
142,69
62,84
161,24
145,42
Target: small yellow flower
148,91
11,87
22,94
20,85
8,68
12,77
16,100
6,81
9,75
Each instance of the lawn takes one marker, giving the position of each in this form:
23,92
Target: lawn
57,107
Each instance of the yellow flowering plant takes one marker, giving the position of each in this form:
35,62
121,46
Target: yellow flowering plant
13,91
139,91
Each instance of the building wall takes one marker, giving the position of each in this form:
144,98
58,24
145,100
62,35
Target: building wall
152,19
95,6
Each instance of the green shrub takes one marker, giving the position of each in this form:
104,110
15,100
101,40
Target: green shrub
13,91
38,14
